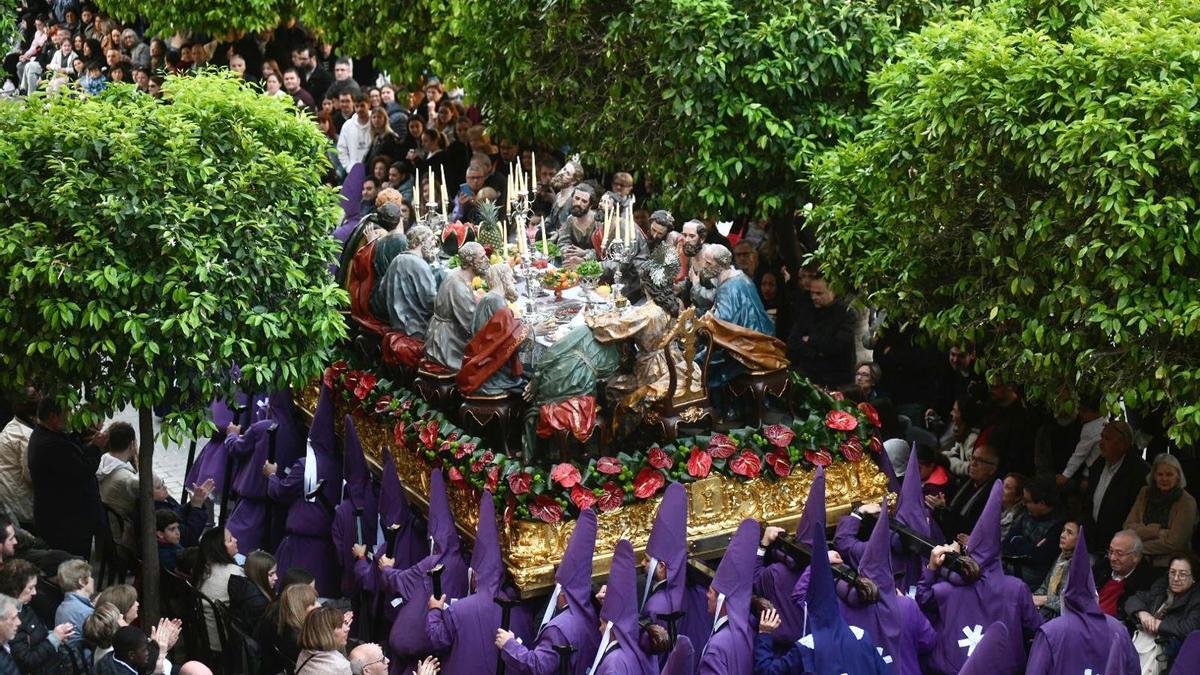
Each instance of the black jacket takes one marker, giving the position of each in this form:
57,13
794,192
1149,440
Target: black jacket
827,357
246,602
1180,619
1140,579
33,651
1118,499
8,666
66,496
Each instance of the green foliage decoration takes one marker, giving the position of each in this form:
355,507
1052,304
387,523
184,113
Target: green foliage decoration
1028,179
213,17
148,247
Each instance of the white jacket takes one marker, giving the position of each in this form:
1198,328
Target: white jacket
16,488
354,142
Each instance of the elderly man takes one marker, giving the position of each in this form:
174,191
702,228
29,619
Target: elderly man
1121,572
575,235
409,285
694,291
1114,481
563,183
9,623
16,487
368,659
453,311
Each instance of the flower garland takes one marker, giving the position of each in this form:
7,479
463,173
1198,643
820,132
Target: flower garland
834,430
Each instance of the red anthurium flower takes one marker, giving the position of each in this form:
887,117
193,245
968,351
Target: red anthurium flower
659,458
582,497
612,498
871,413
398,433
462,450
648,481
721,446
429,434
365,384
852,449
444,447
779,435
565,475
519,482
545,509
608,465
837,395
383,403
746,464
779,463
510,509
840,420
406,404
876,445
819,457
455,475
476,466
493,477
327,377
699,463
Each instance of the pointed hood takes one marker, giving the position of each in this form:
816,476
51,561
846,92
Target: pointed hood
734,580
1187,661
354,469
1079,600
290,437
984,543
320,432
574,574
680,660
992,655
814,508
485,555
352,190
876,562
393,503
912,512
441,522
836,647
222,416
885,463
621,607
668,544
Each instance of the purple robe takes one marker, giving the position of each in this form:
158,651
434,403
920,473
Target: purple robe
413,586
576,625
348,528
1188,659
620,611
351,202
680,660
210,462
992,655
1082,639
248,521
778,579
307,543
960,611
895,623
667,545
468,627
730,649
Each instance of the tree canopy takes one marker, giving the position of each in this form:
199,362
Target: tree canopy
1027,179
149,248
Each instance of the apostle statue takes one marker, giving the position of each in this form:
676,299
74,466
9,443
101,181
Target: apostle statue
562,391
575,235
563,183
367,230
370,262
454,310
408,285
490,364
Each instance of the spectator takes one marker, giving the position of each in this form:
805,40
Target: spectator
315,78
1163,515
1008,428
16,487
384,143
131,653
137,51
300,96
960,516
167,532
1035,534
214,568
1012,502
935,471
821,344
354,139
249,595
100,627
959,442
8,538
273,86
118,477
75,580
323,639
36,650
1048,597
124,597
10,622
745,258
1166,613
1114,482
343,81
278,632
1122,572
1087,450
66,497
368,659
867,376
194,517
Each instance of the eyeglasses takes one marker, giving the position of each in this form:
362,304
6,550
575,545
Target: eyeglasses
382,659
985,462
1114,553
1179,574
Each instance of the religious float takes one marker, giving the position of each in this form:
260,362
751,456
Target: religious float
762,473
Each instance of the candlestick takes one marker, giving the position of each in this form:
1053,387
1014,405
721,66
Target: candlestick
416,195
545,246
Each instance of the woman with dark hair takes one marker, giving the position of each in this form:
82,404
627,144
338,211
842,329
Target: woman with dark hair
35,649
249,595
323,641
959,440
91,50
1166,613
215,566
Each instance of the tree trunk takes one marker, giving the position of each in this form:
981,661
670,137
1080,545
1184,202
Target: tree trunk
149,544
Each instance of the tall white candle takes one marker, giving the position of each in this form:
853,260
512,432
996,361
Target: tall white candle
416,194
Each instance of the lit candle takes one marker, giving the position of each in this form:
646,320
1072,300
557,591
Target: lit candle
629,237
432,198
545,246
416,194
604,236
532,172
445,197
